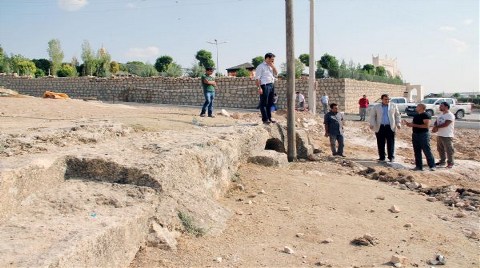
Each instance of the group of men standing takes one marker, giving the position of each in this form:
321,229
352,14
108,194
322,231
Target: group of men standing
384,119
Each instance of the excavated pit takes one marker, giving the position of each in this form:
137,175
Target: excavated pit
101,170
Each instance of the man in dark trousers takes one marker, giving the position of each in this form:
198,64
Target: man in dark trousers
264,78
421,138
333,122
384,119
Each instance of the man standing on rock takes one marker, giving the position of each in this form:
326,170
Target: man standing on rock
421,138
384,120
333,122
363,103
444,127
264,78
208,84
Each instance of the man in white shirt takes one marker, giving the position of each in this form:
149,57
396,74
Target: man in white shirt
300,101
444,127
264,78
325,102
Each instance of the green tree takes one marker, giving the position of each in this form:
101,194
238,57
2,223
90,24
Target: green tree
299,68
4,62
162,63
330,63
257,61
103,63
380,71
369,68
149,71
56,54
43,64
205,58
39,73
89,60
343,65
135,67
114,67
26,67
67,70
20,65
305,59
196,70
173,70
242,72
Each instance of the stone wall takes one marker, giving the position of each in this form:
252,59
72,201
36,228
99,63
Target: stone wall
231,92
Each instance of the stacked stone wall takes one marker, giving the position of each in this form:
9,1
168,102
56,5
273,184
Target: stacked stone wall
230,93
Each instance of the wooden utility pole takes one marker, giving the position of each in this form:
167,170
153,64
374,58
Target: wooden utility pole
312,96
292,148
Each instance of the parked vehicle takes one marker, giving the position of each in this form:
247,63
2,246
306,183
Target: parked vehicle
433,104
401,102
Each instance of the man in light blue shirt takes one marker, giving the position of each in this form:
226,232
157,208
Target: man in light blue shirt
385,120
264,78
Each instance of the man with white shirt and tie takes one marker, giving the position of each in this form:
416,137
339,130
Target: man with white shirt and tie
264,78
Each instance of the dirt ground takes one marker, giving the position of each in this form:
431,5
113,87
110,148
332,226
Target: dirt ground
313,209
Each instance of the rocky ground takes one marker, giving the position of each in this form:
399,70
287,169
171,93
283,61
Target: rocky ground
331,212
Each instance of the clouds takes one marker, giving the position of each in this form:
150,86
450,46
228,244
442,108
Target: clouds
72,5
145,53
447,29
460,46
453,34
467,21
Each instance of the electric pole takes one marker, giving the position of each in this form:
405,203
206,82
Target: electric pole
292,148
216,43
312,98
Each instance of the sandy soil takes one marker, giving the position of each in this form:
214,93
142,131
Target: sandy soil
315,208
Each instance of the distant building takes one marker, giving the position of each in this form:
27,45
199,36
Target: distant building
390,65
232,71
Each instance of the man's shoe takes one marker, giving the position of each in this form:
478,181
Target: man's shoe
202,115
432,169
416,169
342,155
273,121
266,122
380,160
440,164
449,166
391,160
211,115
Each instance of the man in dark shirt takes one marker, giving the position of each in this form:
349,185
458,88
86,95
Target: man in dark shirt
421,138
333,122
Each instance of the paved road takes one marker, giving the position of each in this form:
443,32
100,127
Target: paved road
471,121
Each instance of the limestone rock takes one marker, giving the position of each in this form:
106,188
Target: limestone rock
269,158
161,237
288,250
225,113
394,209
399,259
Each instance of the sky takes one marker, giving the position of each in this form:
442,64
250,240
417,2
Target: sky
435,42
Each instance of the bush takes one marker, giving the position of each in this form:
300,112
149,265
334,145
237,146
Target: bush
66,70
242,73
39,73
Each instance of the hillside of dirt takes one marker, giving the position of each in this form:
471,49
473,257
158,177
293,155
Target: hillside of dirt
163,169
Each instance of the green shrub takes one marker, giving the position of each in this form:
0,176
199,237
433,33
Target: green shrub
243,73
187,222
66,70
